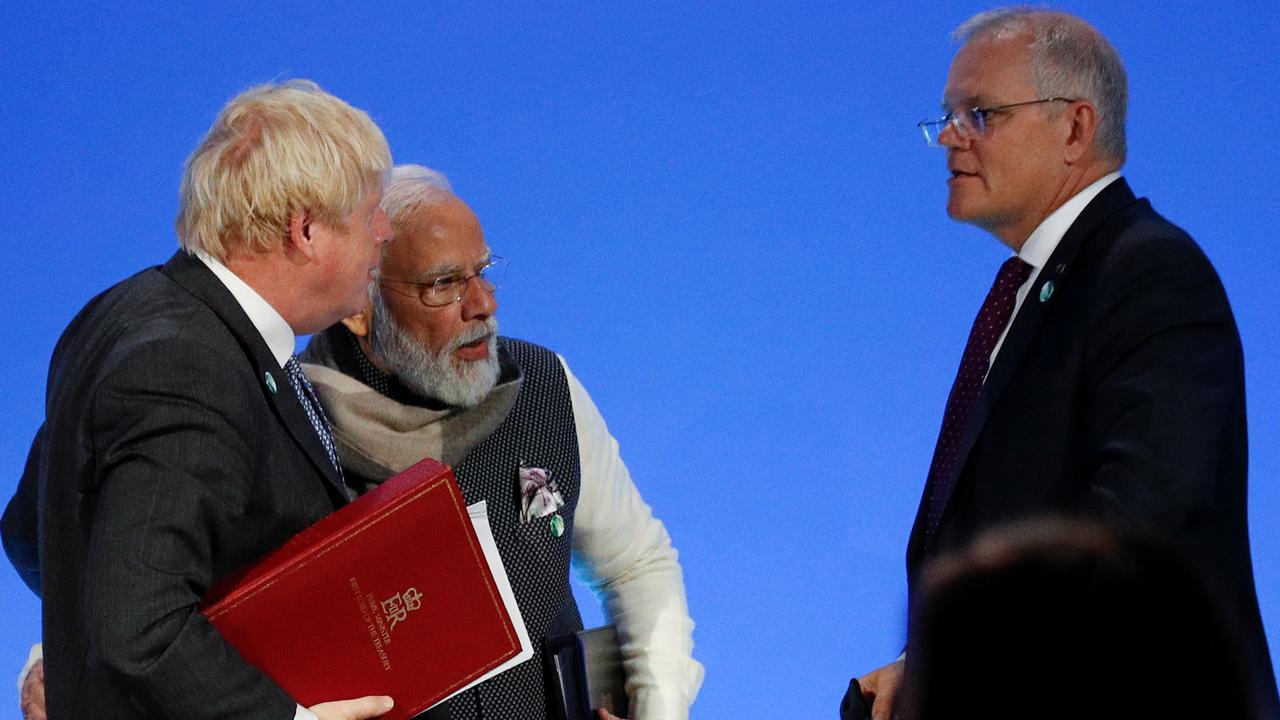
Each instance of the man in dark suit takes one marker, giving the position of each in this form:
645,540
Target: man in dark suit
421,371
1103,376
179,444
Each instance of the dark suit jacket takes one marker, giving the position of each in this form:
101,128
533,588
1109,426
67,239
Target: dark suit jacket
1117,394
167,461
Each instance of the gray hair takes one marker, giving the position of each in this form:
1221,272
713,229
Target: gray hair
411,188
1069,58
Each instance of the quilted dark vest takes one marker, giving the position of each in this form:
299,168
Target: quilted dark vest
538,432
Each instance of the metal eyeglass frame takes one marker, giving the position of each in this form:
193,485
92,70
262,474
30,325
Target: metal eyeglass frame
461,280
972,122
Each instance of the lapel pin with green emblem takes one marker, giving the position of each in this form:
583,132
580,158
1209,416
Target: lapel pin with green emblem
1046,291
270,381
557,525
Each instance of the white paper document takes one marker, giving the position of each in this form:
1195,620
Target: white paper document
479,513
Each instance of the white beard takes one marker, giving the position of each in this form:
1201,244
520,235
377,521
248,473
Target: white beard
436,375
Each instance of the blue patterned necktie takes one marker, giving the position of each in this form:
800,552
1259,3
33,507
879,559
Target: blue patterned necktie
974,364
315,413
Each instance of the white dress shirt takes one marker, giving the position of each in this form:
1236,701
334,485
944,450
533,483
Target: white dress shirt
1040,245
273,328
274,331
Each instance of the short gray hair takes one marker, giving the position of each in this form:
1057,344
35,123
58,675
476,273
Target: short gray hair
412,188
409,188
1069,58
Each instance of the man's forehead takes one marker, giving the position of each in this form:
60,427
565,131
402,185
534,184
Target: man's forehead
417,260
438,239
445,265
986,72
439,220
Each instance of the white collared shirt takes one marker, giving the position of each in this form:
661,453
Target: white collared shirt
270,325
275,331
1039,247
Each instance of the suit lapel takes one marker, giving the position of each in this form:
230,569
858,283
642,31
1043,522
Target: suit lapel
1027,323
196,278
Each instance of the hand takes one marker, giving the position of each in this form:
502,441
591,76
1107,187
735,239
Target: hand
369,706
32,698
880,688
606,715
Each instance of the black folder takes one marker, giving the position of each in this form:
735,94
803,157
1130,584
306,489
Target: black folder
585,672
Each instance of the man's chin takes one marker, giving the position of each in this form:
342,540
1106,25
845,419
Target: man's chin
472,382
958,209
971,213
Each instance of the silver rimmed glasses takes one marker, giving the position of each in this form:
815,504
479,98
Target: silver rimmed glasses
972,122
448,289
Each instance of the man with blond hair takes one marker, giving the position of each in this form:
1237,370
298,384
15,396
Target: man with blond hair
181,441
1103,377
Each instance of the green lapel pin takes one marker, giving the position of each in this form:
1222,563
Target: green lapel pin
557,526
270,381
1046,291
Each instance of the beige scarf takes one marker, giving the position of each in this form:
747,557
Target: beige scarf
378,437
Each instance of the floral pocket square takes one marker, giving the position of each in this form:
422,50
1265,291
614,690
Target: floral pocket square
539,495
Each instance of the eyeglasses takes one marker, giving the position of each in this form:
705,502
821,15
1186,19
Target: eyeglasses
449,289
972,122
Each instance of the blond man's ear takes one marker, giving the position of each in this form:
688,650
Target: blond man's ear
360,323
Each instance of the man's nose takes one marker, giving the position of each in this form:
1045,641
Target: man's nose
952,137
478,298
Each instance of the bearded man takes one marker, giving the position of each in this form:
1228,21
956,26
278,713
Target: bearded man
423,372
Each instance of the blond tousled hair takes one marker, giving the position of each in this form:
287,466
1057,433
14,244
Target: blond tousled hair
276,149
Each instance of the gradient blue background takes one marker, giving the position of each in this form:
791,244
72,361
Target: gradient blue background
724,218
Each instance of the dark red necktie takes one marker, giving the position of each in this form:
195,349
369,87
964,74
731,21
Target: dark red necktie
987,327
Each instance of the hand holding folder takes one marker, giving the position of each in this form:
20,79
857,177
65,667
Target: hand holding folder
391,595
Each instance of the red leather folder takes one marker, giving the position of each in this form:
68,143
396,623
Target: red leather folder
390,595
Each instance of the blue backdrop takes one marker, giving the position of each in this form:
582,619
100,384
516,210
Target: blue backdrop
722,215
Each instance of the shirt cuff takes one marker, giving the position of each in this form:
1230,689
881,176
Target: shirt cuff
304,714
35,656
